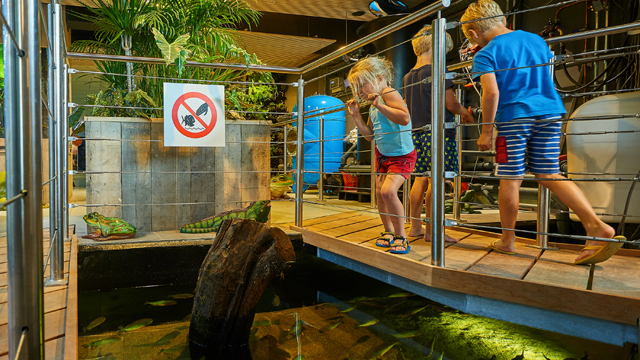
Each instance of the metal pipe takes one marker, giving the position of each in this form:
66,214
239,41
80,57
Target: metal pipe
56,271
299,153
405,21
321,158
437,142
374,201
457,188
543,217
606,46
596,67
23,129
64,181
285,131
406,199
593,33
147,60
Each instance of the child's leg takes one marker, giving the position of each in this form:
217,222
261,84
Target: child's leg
572,196
389,198
508,201
417,201
382,207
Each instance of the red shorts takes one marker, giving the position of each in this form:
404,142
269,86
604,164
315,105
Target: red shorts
401,165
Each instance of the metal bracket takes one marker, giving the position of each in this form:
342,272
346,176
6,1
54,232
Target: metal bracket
427,220
73,172
295,84
452,25
72,138
450,223
51,282
451,125
426,127
450,174
554,248
72,105
427,80
450,75
72,71
71,206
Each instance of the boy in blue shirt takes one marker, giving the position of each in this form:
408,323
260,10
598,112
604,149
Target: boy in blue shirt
526,107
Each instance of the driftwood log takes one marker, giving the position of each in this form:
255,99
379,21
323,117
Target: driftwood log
244,257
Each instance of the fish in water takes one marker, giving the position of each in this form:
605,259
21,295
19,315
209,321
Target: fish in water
135,325
373,303
95,323
181,296
161,303
330,327
408,334
265,323
108,356
102,342
400,294
173,350
378,351
418,310
347,309
368,323
167,338
276,301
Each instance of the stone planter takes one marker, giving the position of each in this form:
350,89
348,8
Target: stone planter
161,187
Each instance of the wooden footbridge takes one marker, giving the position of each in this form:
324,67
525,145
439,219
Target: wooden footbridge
538,288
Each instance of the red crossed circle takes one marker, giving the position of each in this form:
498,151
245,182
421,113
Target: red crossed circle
181,101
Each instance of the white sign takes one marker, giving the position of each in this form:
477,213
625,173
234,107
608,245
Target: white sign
193,115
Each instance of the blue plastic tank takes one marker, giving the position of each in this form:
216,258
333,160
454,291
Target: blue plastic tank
334,132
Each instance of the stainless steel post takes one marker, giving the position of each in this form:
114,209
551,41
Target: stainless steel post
457,188
374,201
58,119
56,276
543,216
406,199
437,142
300,152
65,148
321,158
285,130
596,64
23,129
606,45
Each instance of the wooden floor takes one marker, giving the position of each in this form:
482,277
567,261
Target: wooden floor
544,279
60,306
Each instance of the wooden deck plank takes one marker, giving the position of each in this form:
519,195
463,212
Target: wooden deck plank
363,235
352,228
4,280
462,255
618,275
323,219
3,266
53,301
339,222
53,329
556,267
71,329
508,266
53,350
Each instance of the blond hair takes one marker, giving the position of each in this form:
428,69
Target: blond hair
373,69
422,41
478,10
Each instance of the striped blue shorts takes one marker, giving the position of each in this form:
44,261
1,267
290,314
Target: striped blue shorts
531,146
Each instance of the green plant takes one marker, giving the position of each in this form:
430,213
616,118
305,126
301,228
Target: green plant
165,29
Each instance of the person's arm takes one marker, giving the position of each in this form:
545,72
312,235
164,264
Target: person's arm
394,108
490,97
455,107
365,129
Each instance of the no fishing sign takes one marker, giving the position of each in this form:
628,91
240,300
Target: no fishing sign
193,115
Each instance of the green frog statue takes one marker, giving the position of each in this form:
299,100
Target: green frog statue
108,228
280,185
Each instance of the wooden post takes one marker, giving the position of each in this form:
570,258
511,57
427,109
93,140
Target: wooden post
244,257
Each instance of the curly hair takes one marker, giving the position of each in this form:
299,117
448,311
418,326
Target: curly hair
479,10
373,69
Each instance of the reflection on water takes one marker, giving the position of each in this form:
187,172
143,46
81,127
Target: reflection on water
320,311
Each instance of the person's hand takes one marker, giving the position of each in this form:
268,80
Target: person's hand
467,118
484,142
374,98
353,106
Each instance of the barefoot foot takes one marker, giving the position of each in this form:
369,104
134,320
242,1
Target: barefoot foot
416,231
600,230
447,238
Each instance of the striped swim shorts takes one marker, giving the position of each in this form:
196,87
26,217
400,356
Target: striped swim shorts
531,146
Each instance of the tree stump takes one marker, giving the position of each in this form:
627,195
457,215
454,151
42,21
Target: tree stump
244,257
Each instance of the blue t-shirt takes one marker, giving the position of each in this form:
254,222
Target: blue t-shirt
395,144
524,92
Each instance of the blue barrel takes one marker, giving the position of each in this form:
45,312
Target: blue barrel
334,132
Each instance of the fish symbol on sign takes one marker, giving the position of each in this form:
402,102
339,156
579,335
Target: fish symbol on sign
190,121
